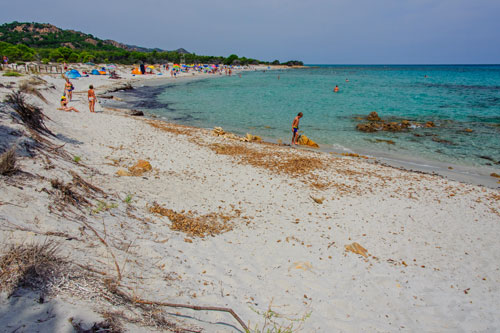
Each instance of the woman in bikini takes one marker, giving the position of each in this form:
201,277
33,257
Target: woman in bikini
92,98
68,89
64,105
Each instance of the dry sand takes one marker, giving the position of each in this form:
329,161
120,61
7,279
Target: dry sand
432,262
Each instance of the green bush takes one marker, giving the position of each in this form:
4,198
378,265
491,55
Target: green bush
12,73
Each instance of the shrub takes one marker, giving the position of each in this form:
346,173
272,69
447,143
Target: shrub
12,73
8,162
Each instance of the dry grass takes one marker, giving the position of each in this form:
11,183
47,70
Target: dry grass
31,115
65,194
32,266
76,193
196,226
28,88
40,268
8,162
110,324
278,162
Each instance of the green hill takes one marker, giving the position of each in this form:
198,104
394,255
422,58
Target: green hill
48,43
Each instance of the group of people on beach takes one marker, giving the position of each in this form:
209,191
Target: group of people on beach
68,94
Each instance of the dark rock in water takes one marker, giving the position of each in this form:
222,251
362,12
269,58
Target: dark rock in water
417,135
373,116
137,113
106,96
392,127
368,127
489,159
405,124
375,123
436,139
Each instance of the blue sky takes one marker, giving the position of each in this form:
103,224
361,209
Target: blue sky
315,31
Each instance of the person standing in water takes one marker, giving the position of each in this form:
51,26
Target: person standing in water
295,128
92,98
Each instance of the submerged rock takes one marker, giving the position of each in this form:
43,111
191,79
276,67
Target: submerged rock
389,142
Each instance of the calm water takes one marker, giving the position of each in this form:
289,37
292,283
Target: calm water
454,97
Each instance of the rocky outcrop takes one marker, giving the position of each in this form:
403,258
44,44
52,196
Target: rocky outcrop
375,123
373,116
251,137
218,131
305,141
136,113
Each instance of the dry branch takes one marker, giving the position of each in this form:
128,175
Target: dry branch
197,308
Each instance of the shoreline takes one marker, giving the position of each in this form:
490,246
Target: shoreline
318,238
476,175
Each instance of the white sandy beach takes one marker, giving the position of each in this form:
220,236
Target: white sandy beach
433,261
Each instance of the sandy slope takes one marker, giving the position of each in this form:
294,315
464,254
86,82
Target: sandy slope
434,255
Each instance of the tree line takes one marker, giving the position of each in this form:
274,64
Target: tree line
23,53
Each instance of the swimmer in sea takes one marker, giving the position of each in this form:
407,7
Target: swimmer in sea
295,128
336,89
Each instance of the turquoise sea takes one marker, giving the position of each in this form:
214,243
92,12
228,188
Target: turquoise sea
454,97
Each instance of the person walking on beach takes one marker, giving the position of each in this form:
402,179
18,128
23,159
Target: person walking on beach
68,89
92,98
295,128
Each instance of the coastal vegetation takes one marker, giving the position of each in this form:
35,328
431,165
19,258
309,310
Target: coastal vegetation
45,43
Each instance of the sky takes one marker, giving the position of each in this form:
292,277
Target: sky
314,31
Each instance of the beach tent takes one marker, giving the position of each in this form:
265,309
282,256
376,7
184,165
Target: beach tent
136,71
95,72
73,74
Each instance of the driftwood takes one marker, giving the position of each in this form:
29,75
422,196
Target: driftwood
197,308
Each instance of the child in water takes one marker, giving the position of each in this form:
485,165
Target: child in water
295,128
